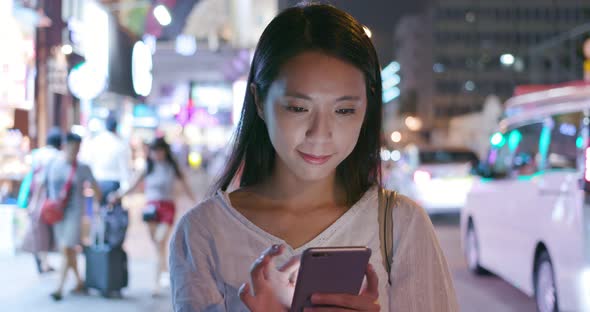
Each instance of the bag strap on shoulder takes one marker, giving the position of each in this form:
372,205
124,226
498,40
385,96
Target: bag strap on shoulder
386,203
65,192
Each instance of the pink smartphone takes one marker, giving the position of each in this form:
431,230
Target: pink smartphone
335,270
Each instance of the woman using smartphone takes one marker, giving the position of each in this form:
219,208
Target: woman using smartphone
307,168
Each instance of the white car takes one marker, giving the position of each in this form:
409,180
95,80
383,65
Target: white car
437,178
527,219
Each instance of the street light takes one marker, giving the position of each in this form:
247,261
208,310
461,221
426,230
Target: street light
413,123
162,15
507,59
396,137
385,155
469,85
67,49
396,155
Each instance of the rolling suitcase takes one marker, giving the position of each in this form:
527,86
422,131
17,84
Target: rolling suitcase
106,268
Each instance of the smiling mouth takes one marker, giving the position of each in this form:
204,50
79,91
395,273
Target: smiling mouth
314,159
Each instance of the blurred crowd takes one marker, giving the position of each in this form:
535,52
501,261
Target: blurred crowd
73,195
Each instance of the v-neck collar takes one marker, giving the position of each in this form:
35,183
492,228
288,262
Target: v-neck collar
316,241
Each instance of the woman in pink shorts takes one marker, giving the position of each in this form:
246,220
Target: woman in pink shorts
160,176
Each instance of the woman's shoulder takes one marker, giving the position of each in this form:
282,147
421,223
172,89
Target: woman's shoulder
205,213
406,205
406,210
410,221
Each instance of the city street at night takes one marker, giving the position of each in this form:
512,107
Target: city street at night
319,134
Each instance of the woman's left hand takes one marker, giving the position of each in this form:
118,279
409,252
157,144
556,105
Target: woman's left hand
367,300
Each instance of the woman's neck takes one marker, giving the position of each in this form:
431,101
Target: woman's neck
297,194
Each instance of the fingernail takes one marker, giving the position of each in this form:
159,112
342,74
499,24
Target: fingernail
275,247
242,289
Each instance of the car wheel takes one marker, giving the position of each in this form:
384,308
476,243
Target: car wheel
472,252
545,290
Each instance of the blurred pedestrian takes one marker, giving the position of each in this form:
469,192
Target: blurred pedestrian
181,150
109,158
39,238
67,232
160,176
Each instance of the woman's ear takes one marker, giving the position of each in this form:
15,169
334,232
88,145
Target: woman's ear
257,101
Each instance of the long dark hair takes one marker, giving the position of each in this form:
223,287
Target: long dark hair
161,144
308,27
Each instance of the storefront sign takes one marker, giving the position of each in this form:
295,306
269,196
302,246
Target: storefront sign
83,84
57,74
141,69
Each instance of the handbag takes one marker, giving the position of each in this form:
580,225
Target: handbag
116,221
150,212
52,210
387,202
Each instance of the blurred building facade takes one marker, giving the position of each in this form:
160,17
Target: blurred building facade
458,52
489,47
414,51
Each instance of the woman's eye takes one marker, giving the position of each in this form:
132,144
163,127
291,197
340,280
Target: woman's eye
346,111
296,109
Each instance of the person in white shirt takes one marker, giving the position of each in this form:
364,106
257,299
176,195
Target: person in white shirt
109,157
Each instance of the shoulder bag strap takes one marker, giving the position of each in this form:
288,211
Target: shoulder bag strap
65,192
386,201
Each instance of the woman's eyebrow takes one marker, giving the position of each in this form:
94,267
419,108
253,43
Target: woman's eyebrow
348,98
308,98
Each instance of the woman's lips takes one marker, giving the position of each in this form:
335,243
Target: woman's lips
314,159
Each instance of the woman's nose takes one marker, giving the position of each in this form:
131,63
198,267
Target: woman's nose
320,128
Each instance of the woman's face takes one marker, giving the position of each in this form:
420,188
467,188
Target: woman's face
158,154
314,111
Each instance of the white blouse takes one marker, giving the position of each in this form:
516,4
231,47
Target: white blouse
214,246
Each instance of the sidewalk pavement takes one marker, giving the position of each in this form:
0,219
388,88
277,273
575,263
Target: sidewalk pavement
22,289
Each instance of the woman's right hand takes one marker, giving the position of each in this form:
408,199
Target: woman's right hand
270,288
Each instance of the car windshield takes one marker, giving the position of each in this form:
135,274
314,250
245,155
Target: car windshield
447,157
